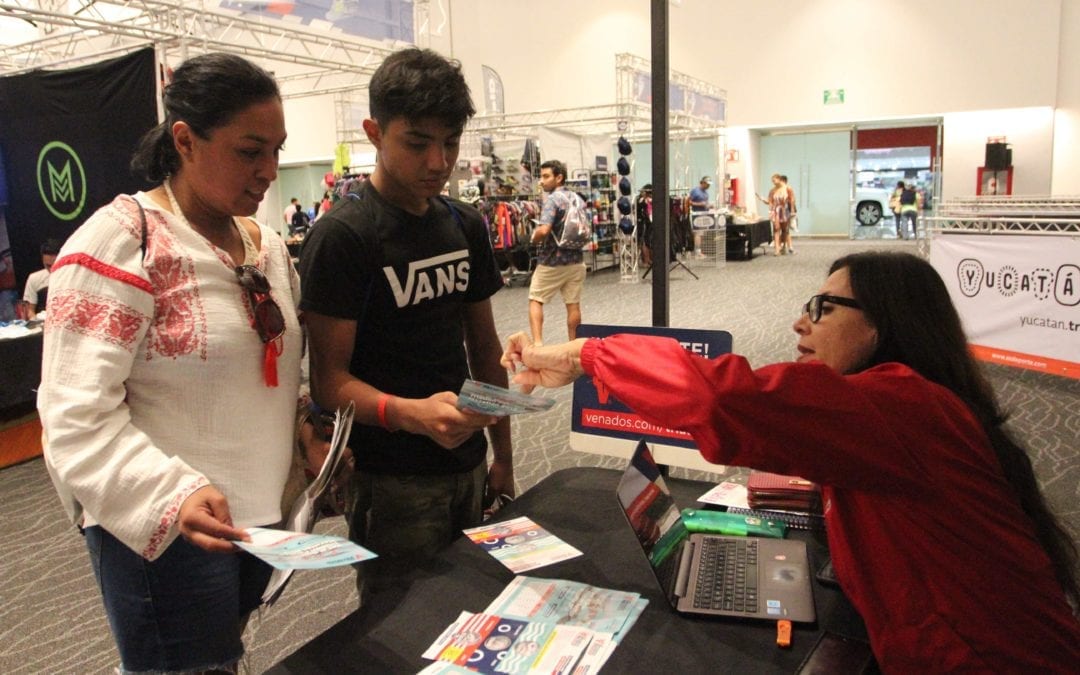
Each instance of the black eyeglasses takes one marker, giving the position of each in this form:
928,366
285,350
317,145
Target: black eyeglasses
815,304
269,322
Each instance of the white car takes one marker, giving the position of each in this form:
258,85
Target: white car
871,205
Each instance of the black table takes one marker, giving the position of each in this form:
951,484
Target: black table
744,238
578,505
20,369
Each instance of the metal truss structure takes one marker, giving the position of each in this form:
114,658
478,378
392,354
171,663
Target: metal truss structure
627,116
305,62
627,68
628,256
1054,216
1008,214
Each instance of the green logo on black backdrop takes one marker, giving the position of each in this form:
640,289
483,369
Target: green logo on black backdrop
61,180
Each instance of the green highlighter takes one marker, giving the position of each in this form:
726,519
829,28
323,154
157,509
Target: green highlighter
732,524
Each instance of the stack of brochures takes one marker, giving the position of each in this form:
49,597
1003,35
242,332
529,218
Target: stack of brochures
538,626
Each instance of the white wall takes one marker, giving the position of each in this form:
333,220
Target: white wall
893,59
775,57
1028,130
312,128
1066,164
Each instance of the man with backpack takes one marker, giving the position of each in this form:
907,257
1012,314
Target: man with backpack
560,235
911,203
301,221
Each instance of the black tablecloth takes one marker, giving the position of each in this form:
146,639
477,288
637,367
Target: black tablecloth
744,238
578,505
20,369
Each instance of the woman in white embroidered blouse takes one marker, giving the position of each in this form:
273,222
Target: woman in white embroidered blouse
171,371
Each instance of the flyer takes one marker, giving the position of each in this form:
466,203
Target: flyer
521,544
727,493
286,550
569,602
488,399
487,643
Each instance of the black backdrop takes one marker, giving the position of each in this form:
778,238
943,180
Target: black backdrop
66,138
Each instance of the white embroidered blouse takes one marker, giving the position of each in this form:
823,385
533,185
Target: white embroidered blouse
152,376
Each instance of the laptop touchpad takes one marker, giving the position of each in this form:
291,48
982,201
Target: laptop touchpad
783,573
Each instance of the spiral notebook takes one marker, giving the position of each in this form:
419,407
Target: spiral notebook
799,521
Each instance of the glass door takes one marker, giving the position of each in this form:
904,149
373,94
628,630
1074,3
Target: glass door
818,167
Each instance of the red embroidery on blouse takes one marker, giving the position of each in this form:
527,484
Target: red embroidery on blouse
179,326
168,517
94,316
104,269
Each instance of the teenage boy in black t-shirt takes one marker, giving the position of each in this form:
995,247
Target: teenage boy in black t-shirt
396,297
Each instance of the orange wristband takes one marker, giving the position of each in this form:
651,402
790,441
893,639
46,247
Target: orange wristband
384,398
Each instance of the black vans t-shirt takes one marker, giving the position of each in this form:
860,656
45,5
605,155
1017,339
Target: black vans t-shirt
405,280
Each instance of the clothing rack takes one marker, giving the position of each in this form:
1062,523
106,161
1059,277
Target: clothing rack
508,219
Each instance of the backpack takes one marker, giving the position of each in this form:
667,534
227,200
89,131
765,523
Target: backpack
300,221
576,226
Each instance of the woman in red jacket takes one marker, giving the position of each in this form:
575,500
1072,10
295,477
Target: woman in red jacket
937,529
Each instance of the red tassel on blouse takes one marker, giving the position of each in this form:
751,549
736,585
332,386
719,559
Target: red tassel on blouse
271,351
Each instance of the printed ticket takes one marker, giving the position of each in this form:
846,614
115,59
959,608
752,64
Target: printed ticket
487,399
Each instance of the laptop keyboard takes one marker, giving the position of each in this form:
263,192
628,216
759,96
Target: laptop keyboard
727,575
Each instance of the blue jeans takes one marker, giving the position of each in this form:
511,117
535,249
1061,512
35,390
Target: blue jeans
184,611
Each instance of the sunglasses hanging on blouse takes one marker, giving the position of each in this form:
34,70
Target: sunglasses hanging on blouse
266,318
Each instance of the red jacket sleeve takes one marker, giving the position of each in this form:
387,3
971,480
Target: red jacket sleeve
855,431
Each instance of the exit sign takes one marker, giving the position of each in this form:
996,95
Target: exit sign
833,97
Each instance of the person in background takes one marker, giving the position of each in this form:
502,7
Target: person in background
644,213
300,222
324,206
937,529
558,270
36,292
781,206
397,302
699,201
911,202
171,371
894,206
290,211
793,220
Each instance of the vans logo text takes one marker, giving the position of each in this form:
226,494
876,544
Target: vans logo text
431,278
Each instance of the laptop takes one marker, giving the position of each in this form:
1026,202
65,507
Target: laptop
711,574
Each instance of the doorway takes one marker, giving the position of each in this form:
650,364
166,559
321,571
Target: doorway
818,167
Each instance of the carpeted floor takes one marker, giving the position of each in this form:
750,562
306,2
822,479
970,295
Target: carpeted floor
51,619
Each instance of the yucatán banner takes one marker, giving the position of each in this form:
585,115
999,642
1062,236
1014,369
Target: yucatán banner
602,424
67,137
1018,296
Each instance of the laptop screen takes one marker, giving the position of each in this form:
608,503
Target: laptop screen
649,507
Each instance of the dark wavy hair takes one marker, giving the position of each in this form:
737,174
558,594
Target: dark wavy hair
917,325
419,83
557,168
206,92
